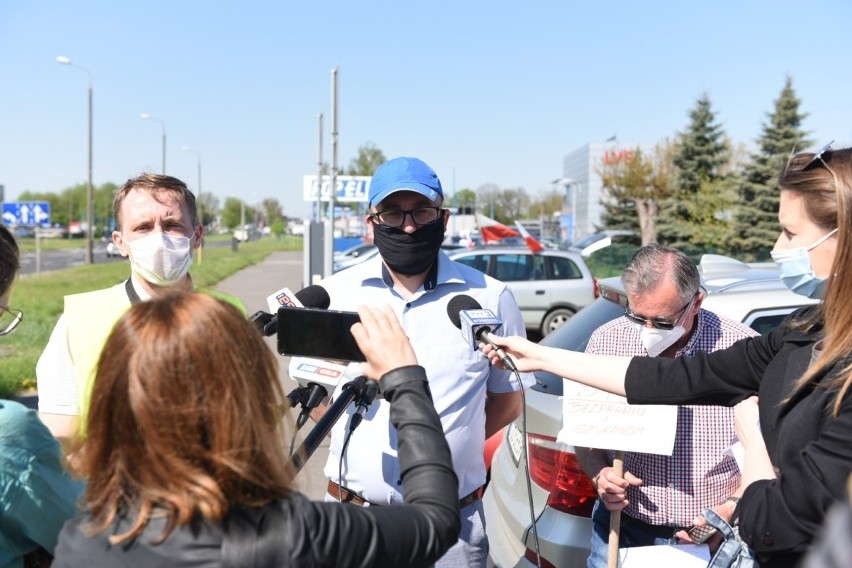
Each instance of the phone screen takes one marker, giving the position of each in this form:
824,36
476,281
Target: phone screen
324,334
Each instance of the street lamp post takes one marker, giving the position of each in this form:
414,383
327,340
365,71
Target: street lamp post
146,116
90,259
572,184
198,203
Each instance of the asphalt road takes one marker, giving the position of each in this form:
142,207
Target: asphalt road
58,259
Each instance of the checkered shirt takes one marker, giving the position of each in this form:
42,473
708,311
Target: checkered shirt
698,474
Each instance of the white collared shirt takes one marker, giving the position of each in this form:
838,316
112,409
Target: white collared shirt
459,375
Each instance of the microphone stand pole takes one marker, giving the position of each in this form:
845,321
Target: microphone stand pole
352,390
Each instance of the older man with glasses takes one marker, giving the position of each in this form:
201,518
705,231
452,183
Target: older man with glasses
473,399
661,495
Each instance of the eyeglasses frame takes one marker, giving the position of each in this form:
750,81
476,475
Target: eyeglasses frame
18,316
663,325
376,217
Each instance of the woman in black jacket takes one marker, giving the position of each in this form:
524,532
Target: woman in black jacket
185,462
801,373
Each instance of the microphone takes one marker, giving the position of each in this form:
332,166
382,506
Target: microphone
313,296
367,397
476,324
307,371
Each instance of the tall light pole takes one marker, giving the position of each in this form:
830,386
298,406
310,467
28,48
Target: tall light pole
198,206
146,116
90,221
572,184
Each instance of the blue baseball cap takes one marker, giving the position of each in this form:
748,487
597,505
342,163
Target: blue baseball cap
404,174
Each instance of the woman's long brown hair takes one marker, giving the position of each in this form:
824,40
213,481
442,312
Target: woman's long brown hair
825,183
185,417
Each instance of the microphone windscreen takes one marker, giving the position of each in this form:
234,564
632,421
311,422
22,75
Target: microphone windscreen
460,303
314,296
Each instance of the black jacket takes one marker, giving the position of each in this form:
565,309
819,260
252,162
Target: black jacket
811,450
295,531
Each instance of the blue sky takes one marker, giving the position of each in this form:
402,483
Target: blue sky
485,92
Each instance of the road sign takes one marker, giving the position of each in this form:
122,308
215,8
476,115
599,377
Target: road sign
27,213
349,188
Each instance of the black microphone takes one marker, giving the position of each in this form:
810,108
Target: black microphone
476,324
367,397
313,296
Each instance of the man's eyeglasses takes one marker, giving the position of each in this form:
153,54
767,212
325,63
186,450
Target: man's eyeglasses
396,217
9,320
658,324
818,156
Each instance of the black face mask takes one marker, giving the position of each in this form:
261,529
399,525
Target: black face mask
409,254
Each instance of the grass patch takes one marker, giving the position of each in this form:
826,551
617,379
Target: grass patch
40,297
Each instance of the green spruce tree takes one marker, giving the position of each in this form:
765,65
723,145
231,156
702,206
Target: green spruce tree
756,216
619,211
701,158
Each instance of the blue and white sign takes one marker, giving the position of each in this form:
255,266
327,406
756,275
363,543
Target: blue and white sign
351,189
27,213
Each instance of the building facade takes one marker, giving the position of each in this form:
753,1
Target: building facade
581,181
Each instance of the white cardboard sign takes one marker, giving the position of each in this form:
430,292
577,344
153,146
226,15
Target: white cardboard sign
682,556
592,418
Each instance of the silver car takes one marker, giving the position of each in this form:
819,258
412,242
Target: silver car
550,286
562,495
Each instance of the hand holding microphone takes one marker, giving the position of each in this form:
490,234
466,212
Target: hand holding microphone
477,325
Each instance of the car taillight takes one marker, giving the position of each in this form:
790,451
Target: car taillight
554,469
595,287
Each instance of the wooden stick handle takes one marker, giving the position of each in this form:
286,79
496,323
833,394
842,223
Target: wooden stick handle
615,516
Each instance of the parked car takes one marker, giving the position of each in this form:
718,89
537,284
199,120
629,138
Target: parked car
562,495
550,286
597,241
346,262
353,252
112,250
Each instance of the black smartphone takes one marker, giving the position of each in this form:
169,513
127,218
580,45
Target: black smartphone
700,533
323,334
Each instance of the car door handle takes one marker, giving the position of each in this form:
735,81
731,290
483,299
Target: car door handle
539,292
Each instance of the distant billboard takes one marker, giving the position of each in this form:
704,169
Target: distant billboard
351,189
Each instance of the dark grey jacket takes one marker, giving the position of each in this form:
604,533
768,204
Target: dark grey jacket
295,531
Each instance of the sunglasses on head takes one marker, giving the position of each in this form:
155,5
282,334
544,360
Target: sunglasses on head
658,324
818,156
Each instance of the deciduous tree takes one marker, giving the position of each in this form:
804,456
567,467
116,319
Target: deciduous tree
643,181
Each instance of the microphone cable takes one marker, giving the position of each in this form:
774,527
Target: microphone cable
525,447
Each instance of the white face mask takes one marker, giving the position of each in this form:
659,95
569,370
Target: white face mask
161,259
656,340
795,269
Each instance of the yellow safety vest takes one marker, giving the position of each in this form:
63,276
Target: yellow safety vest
90,317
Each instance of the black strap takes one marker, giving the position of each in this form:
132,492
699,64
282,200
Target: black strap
131,292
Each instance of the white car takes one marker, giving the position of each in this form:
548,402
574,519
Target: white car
344,262
112,250
562,495
550,286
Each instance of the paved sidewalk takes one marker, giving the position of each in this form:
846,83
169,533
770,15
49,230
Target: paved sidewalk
252,285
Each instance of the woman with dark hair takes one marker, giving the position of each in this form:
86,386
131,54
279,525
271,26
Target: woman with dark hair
185,452
36,494
798,460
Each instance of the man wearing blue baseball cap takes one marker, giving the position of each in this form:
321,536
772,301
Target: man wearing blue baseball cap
473,399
